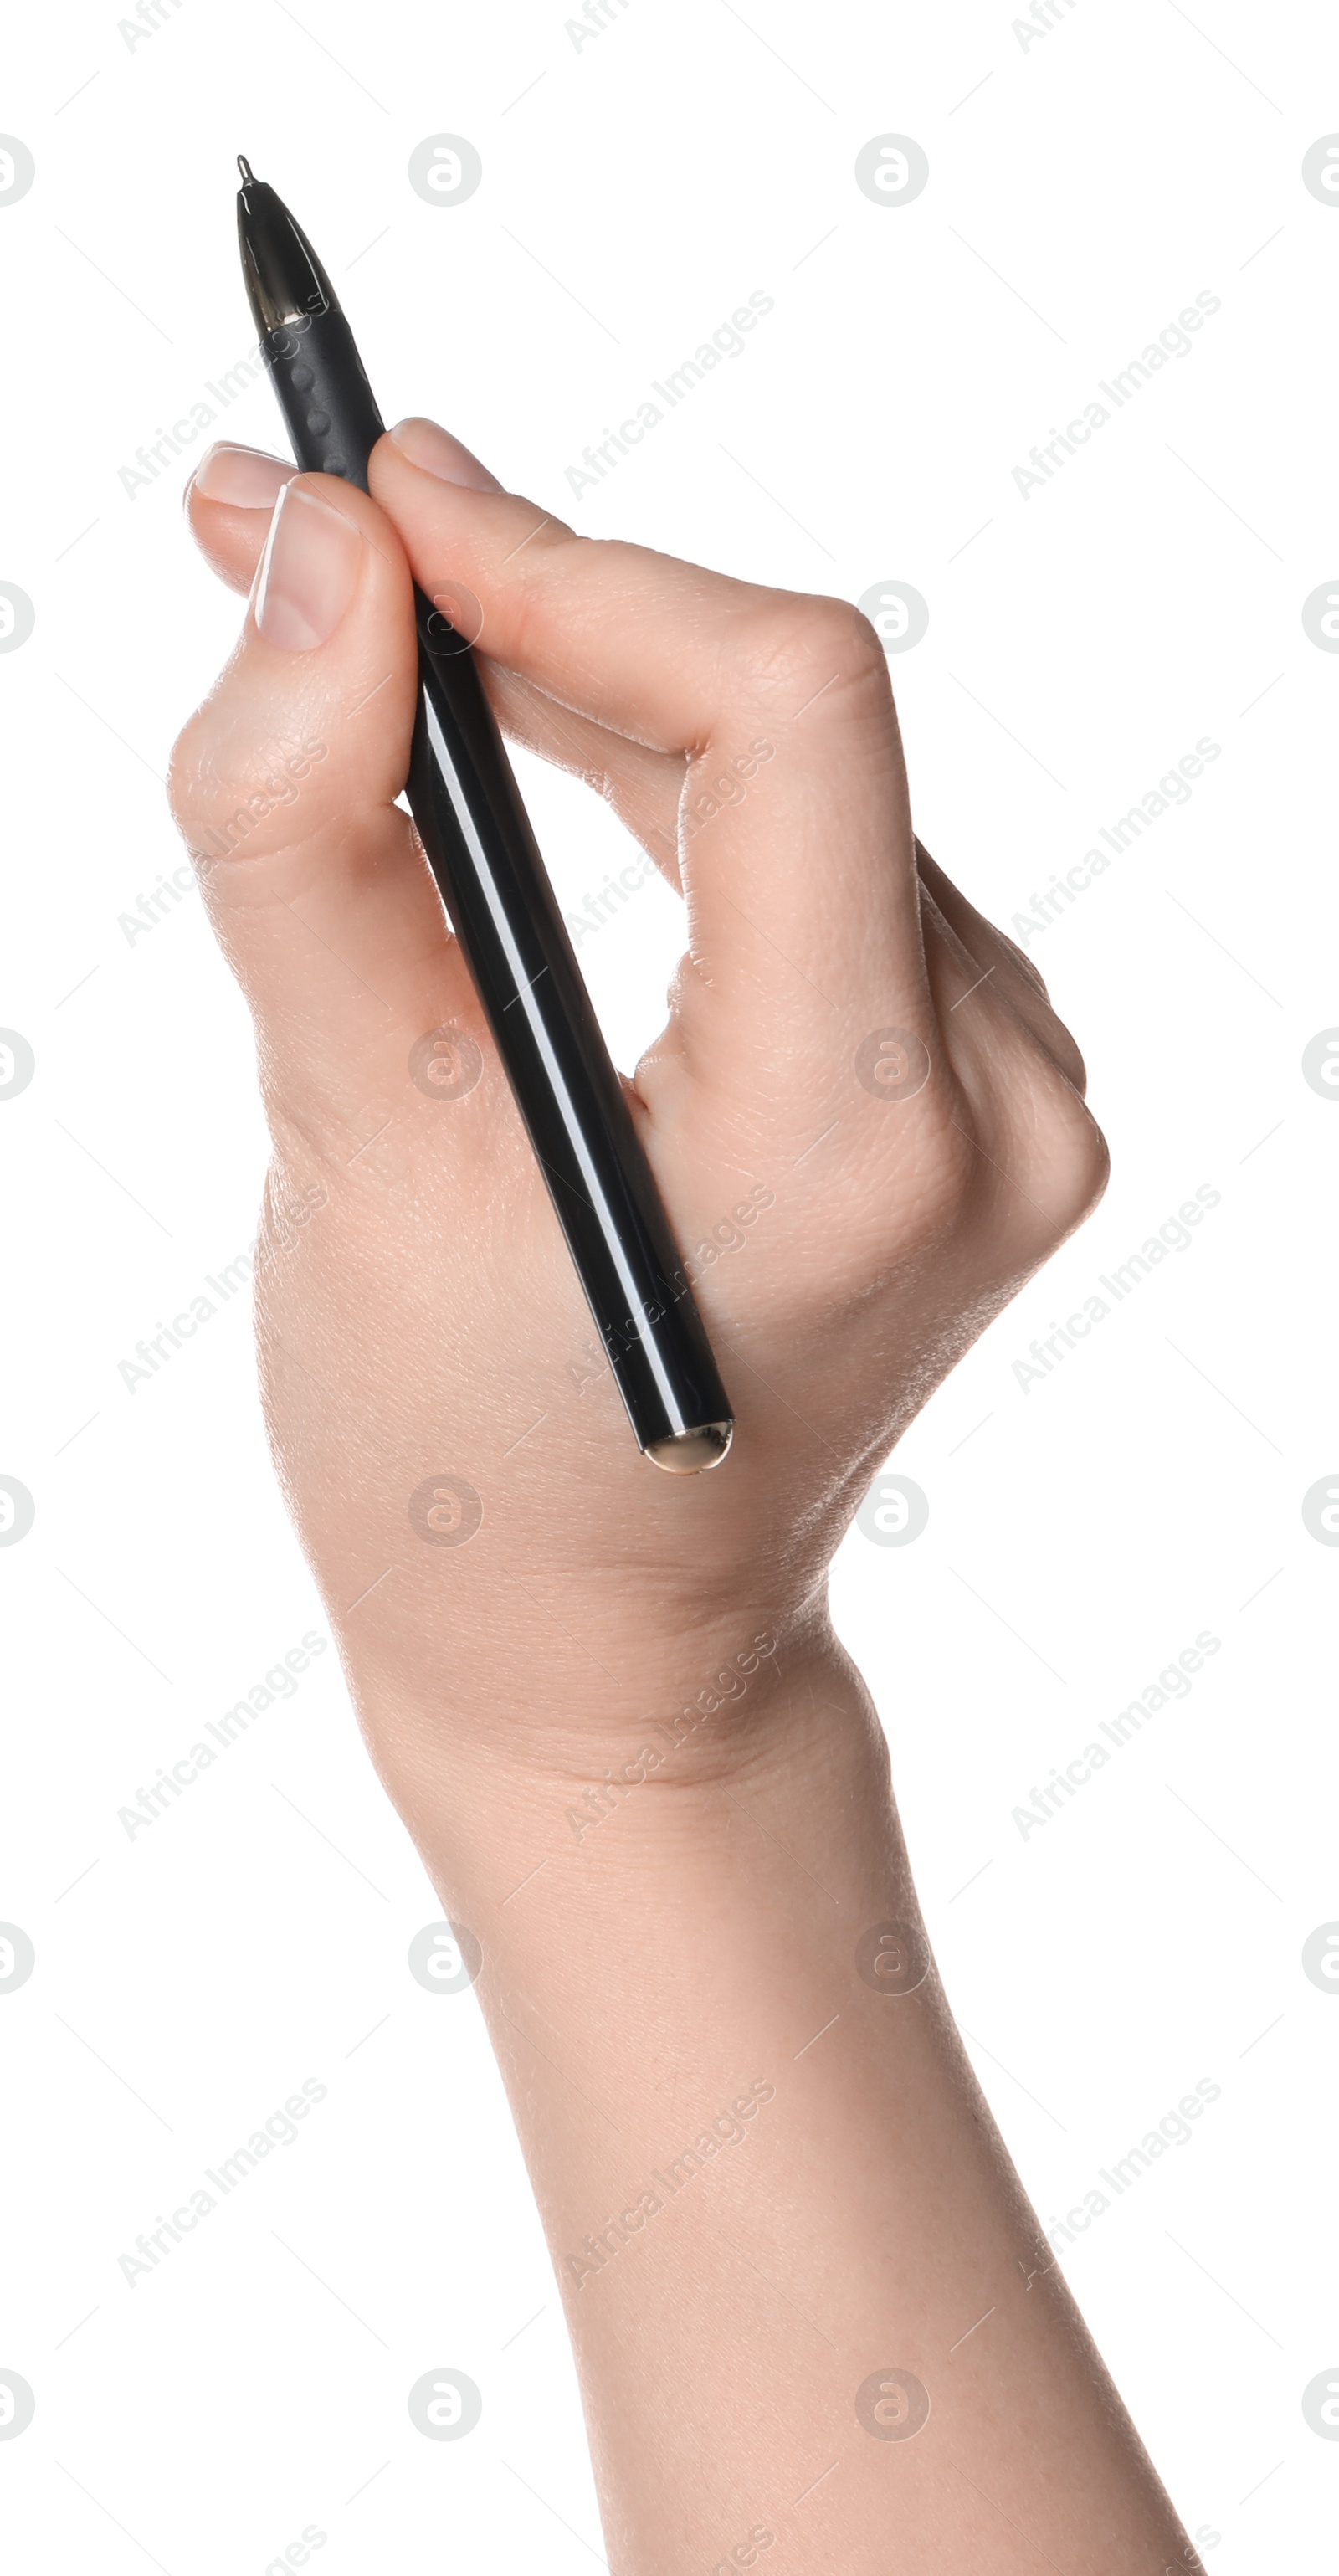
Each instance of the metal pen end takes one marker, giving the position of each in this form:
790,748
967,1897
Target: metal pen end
248,174
687,1453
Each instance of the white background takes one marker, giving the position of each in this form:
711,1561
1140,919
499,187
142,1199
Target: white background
1083,189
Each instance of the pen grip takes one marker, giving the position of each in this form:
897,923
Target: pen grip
332,419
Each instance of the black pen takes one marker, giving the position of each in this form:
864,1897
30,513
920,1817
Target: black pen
476,832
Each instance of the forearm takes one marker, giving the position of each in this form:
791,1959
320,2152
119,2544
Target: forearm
768,2178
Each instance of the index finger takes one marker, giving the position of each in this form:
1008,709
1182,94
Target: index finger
795,839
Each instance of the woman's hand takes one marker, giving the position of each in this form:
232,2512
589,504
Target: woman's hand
810,2306
419,1319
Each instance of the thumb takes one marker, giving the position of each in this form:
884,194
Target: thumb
283,785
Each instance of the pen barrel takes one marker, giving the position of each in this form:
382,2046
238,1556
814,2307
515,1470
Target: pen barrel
328,406
483,854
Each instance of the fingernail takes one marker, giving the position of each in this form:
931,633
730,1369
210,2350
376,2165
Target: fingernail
242,475
308,572
440,454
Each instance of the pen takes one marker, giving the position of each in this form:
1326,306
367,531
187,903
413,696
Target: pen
475,830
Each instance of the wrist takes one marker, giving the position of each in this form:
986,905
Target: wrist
628,1773
533,1674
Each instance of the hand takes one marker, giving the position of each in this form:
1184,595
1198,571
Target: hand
417,1311
694,1966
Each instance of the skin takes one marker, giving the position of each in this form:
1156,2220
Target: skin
664,1944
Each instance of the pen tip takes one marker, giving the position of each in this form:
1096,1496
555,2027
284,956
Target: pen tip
248,174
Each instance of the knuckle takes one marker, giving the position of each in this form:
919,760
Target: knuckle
797,646
552,572
1076,1167
1040,1162
1091,1166
226,794
193,790
183,766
